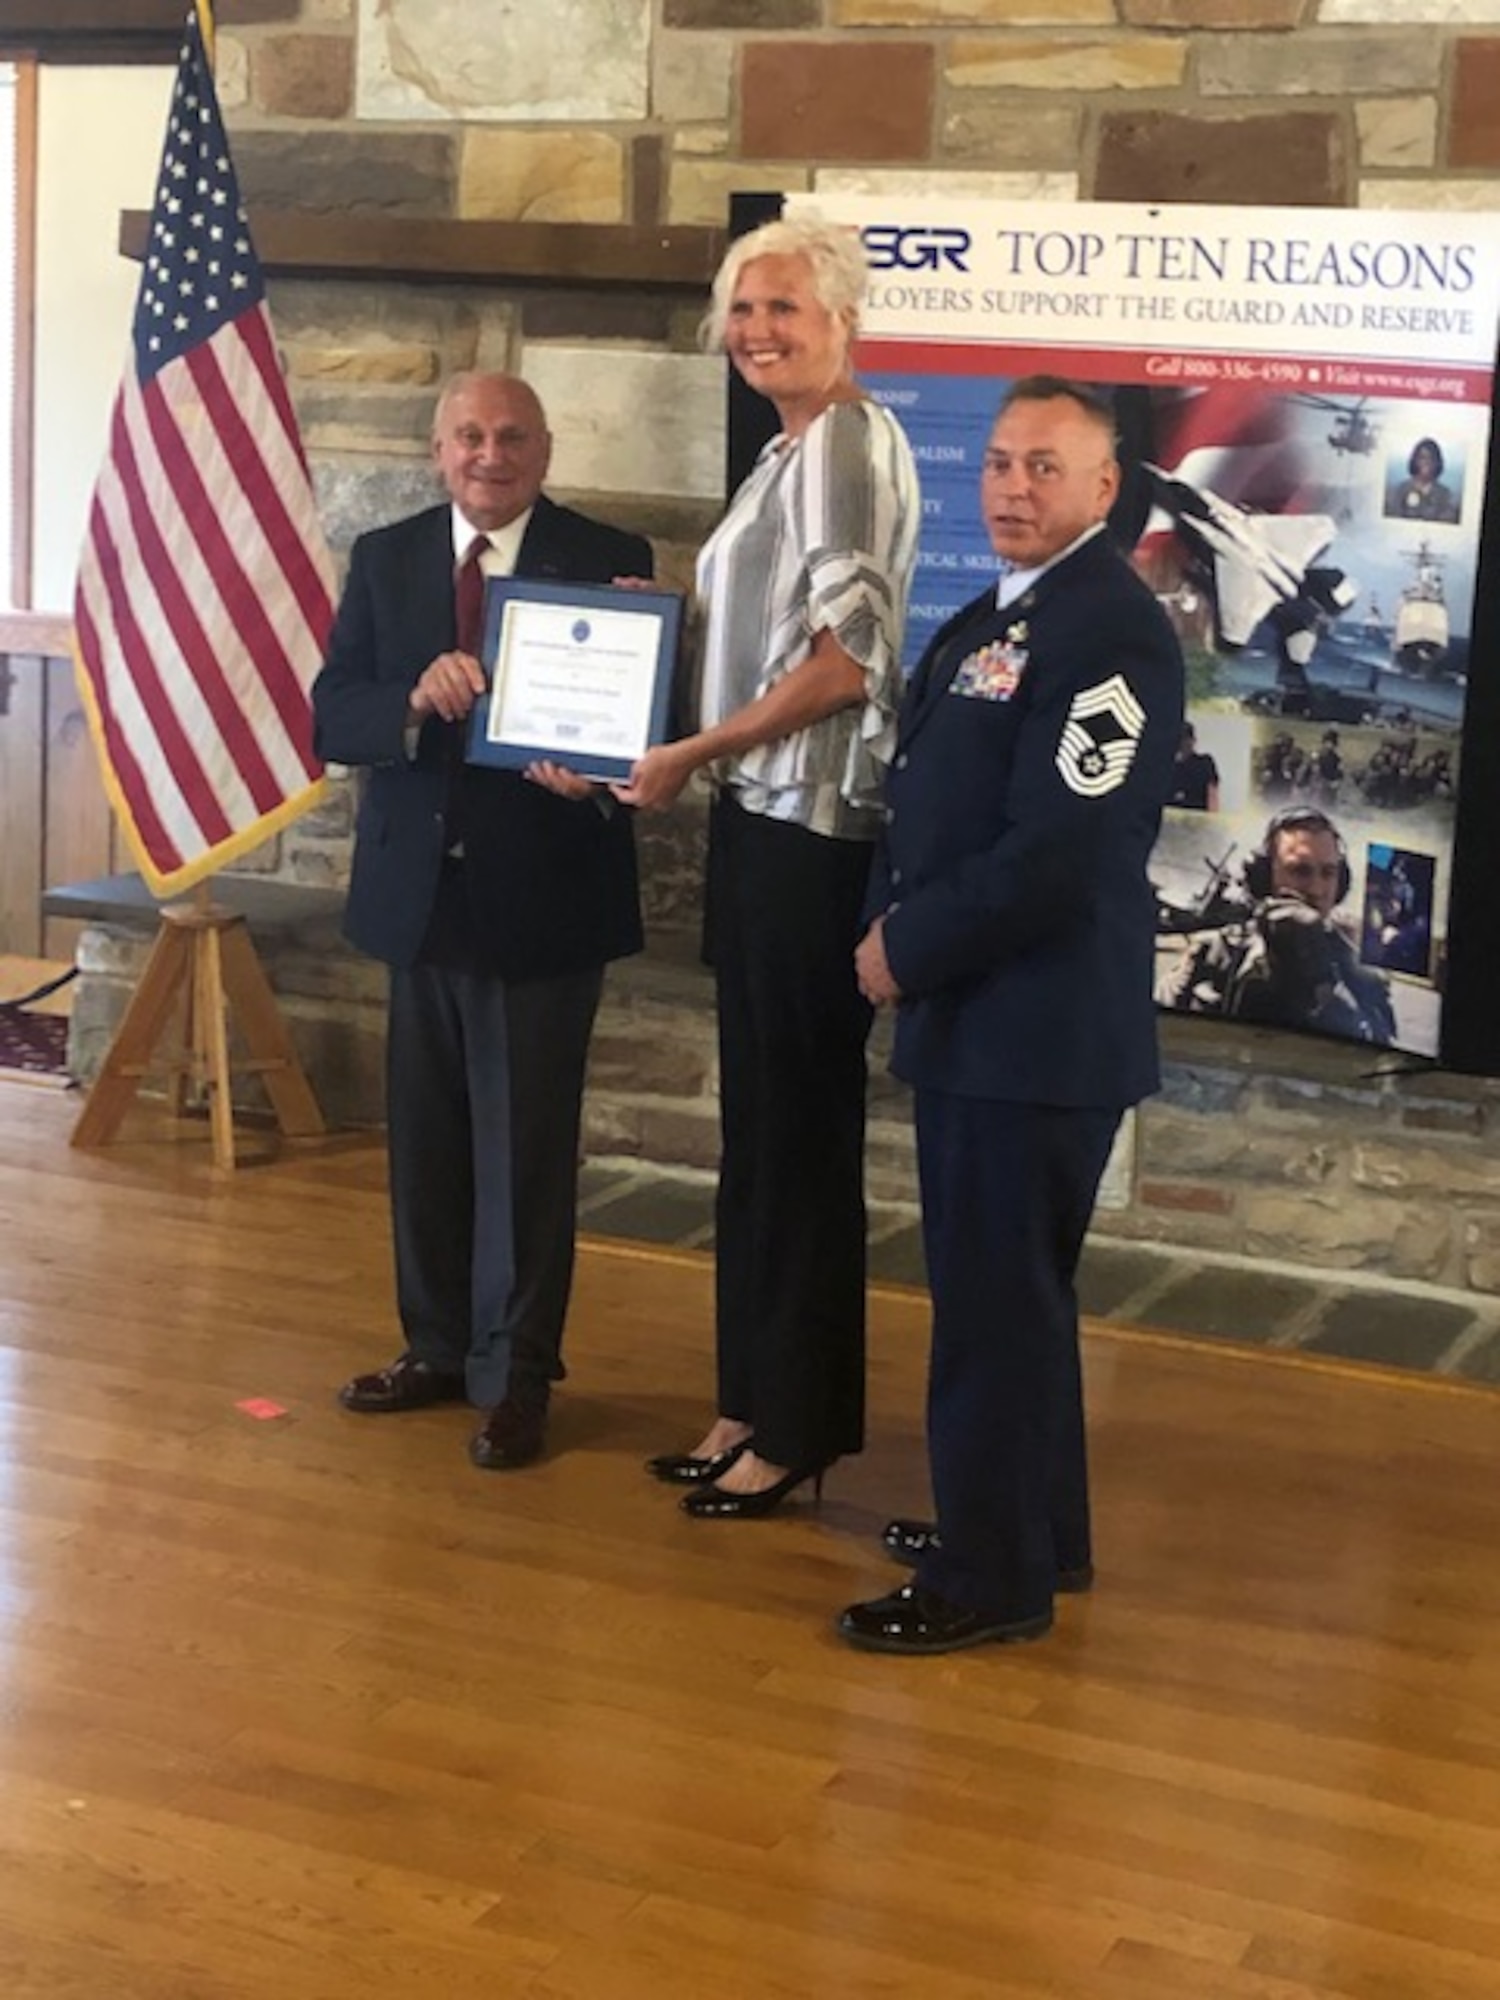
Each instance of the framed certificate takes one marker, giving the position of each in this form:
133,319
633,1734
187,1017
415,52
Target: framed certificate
579,674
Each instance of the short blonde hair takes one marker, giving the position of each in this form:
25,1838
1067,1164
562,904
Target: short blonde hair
832,252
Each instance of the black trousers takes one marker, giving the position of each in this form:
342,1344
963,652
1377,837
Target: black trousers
782,920
485,1082
1007,1192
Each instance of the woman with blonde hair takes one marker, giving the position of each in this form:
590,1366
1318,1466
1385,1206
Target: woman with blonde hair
802,594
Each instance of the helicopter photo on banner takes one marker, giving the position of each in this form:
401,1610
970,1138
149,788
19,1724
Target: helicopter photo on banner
1303,403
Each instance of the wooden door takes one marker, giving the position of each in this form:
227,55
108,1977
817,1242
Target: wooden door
55,822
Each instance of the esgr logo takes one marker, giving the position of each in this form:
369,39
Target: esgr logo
925,246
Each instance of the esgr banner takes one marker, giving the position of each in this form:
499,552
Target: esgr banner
1303,399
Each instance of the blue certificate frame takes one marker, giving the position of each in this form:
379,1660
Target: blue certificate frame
578,674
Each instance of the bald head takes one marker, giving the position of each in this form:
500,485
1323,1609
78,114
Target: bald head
491,447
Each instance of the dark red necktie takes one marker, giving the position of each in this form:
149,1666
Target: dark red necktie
468,619
468,597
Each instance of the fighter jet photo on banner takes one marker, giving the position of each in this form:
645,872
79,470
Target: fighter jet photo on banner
1303,401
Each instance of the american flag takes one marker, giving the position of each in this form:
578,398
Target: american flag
205,589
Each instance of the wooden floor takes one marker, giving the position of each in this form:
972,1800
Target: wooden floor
300,1705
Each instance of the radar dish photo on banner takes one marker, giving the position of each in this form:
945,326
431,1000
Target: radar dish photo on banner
1303,404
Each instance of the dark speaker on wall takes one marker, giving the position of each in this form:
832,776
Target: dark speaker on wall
751,419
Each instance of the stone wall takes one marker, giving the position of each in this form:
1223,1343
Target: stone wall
650,112
1314,1154
1296,1151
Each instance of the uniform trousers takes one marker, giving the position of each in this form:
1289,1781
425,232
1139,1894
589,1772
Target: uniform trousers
1007,1192
485,1080
782,920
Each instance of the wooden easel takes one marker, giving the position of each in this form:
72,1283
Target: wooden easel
201,964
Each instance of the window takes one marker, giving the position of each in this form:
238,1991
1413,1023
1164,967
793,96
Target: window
65,292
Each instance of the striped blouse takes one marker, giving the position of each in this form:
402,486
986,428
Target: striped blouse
822,536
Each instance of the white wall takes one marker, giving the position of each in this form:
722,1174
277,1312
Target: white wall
7,314
99,143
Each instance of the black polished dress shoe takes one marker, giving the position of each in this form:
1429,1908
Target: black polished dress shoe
714,1504
408,1384
918,1622
512,1435
908,1541
682,1468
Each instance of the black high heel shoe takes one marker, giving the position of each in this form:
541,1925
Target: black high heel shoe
681,1468
714,1504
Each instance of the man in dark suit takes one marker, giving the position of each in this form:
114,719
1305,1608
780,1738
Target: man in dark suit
1014,932
496,898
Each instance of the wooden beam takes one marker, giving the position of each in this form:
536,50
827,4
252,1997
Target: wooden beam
91,30
40,632
679,258
95,17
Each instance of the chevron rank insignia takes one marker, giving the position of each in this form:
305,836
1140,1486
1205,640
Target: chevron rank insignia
1097,745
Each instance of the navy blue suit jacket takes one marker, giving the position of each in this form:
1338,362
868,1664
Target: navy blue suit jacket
550,882
1020,922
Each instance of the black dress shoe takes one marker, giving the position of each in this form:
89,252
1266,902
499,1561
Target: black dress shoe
512,1435
917,1621
908,1541
682,1468
408,1384
714,1504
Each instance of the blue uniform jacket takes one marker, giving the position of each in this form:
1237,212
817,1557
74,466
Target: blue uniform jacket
1034,754
550,882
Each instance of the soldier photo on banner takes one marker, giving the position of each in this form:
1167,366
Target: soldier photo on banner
1328,649
1281,946
1243,932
